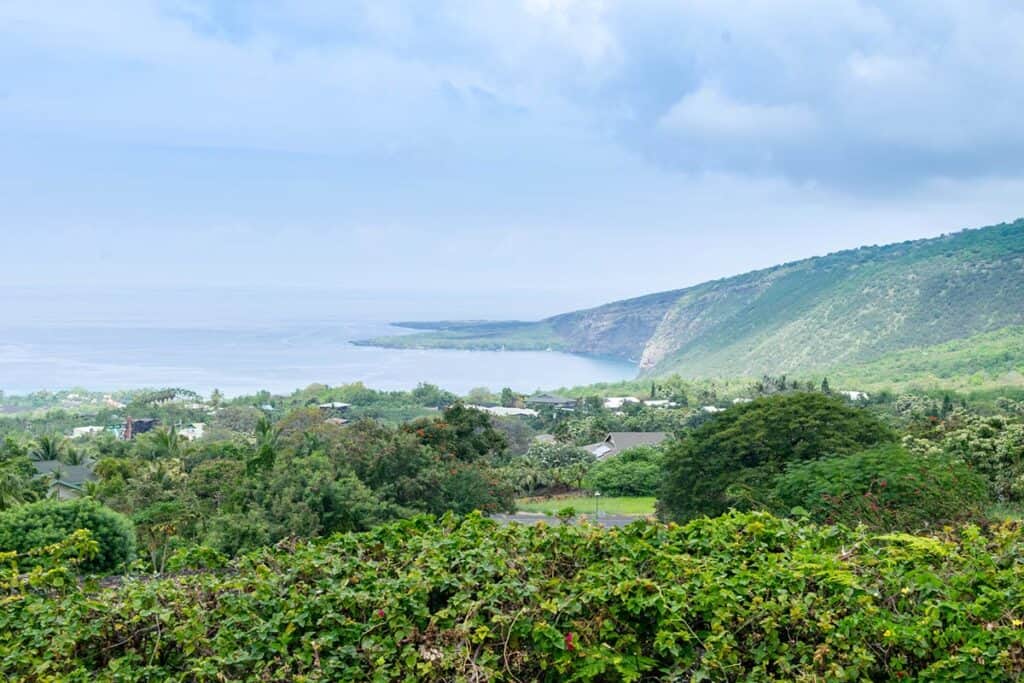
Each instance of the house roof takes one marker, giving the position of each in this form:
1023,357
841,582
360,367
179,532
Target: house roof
551,399
616,442
503,411
70,475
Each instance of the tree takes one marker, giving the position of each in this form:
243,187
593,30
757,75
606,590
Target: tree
885,488
15,485
633,472
731,460
825,388
508,399
216,398
39,524
163,443
265,451
47,447
462,432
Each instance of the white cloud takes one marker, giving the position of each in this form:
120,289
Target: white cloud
707,111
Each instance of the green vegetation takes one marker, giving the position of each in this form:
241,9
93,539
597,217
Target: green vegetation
741,597
733,459
46,522
634,472
862,312
992,359
223,576
885,488
585,505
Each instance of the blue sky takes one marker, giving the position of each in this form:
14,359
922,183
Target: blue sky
571,150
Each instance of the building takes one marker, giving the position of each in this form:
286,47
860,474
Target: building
661,403
133,428
855,395
616,442
79,432
66,481
502,411
334,408
551,401
193,432
616,402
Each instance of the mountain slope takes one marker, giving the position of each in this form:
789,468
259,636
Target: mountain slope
839,310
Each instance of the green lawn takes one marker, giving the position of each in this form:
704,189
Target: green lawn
585,505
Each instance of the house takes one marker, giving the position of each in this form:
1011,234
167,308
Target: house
193,432
616,442
551,401
502,411
711,409
738,401
616,402
334,407
133,428
79,432
66,481
660,403
855,395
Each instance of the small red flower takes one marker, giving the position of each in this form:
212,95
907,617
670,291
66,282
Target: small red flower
568,642
380,613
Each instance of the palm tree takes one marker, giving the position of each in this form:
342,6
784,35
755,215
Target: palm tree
14,489
167,443
47,447
267,437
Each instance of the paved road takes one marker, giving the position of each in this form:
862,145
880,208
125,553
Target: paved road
605,520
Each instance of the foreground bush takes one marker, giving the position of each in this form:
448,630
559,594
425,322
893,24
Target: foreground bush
885,488
49,521
744,596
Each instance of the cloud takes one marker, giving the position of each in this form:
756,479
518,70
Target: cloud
852,93
709,112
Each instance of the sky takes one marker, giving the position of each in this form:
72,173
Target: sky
529,156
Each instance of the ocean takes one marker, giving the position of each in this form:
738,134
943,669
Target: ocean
157,346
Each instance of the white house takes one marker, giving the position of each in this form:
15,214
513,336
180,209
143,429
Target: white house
502,411
616,402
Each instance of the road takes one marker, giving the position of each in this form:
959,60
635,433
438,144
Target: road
605,520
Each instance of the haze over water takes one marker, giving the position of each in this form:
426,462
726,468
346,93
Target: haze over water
242,341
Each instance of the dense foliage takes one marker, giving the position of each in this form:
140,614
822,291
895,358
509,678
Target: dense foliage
744,596
732,459
633,472
50,521
993,445
885,488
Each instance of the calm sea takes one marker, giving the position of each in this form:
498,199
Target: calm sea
239,356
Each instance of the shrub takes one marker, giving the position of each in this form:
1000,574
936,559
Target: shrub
742,449
633,472
736,598
49,521
884,488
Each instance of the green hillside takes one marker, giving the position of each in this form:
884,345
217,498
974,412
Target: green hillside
839,311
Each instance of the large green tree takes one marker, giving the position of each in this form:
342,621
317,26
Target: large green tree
731,460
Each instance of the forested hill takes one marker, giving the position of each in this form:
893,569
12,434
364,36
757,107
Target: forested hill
839,310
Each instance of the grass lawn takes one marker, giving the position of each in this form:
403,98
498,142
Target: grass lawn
1002,511
585,505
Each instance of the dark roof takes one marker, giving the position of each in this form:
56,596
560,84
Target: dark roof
71,475
551,399
616,442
